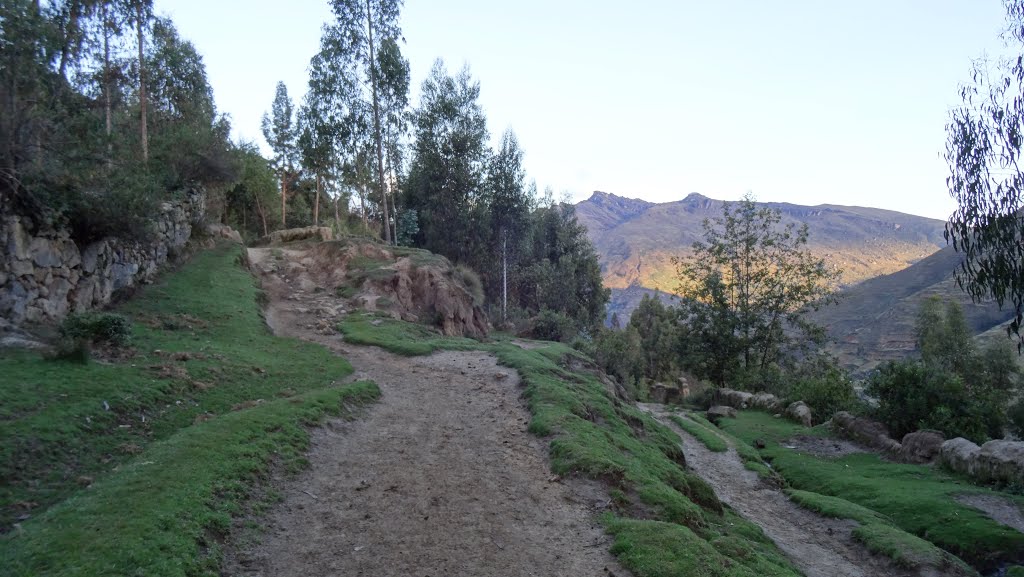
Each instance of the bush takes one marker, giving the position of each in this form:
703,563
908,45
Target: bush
912,396
824,387
618,352
553,326
97,328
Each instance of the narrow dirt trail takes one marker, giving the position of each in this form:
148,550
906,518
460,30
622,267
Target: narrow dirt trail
818,546
438,478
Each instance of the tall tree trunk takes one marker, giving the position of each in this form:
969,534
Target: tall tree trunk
284,198
504,275
362,205
143,102
337,217
316,206
65,49
262,213
376,125
107,105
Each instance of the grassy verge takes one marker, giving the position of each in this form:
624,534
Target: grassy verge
667,520
917,499
709,438
133,466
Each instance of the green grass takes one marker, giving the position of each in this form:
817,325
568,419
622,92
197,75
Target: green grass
659,504
915,498
709,438
167,441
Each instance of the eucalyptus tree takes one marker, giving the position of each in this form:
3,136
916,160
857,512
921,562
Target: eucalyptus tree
316,142
280,131
984,150
393,82
449,159
143,13
509,205
361,27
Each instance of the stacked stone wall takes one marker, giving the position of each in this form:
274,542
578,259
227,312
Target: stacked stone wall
44,275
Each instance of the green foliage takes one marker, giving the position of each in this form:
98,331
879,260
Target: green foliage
619,354
71,99
912,396
824,386
953,388
747,287
918,499
178,435
563,273
97,327
446,176
251,205
983,151
661,334
408,227
553,326
1015,415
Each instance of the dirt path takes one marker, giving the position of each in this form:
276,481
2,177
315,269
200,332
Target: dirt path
818,546
438,478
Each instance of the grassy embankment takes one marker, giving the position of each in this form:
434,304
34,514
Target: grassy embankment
888,499
136,466
667,521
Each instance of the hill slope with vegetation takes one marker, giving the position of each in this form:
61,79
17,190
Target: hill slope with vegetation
636,240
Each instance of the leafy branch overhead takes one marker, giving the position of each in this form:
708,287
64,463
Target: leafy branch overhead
984,144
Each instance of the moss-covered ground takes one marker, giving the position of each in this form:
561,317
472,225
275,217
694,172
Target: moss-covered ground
884,495
134,464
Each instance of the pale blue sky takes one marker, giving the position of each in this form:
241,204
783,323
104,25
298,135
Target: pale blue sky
800,101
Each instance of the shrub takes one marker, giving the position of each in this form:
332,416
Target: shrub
618,352
825,388
553,326
912,396
97,328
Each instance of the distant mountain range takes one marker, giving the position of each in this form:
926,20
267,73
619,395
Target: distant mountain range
889,262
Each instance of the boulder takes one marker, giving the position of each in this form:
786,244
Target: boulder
1001,461
959,455
799,412
718,412
732,398
863,430
657,393
217,230
665,394
921,446
765,401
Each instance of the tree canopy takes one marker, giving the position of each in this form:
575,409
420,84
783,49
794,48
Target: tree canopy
747,288
985,138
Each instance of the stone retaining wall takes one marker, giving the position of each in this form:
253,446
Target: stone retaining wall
44,275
